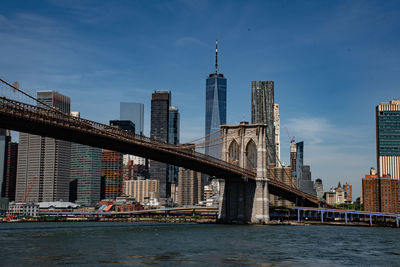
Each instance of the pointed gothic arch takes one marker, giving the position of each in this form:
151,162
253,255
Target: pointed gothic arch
233,153
251,156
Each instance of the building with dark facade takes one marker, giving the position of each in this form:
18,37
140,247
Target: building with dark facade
85,173
159,130
5,139
133,112
305,183
44,157
126,125
216,85
86,169
388,139
11,171
173,138
111,173
262,111
299,160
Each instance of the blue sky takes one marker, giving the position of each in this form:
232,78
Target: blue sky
332,63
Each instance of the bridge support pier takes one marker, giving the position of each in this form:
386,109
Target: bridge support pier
244,202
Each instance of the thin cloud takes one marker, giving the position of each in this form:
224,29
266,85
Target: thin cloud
331,150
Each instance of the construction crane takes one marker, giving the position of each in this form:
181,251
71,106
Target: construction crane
13,215
291,139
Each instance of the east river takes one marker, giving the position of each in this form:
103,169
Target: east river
108,243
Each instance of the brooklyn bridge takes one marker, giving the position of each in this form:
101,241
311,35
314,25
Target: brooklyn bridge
245,194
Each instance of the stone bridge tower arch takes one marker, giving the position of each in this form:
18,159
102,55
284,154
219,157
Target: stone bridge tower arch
243,200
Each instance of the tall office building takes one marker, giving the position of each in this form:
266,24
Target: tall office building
216,85
293,154
86,170
111,173
46,158
160,103
299,159
173,138
388,139
277,125
133,112
262,111
5,139
305,182
11,171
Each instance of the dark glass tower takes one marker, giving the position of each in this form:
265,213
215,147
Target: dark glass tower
5,139
299,160
160,103
215,109
126,125
173,138
133,112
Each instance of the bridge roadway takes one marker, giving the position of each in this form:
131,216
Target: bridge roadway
31,119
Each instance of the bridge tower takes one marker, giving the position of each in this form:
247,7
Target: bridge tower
244,200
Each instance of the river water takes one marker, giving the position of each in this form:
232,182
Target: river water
143,244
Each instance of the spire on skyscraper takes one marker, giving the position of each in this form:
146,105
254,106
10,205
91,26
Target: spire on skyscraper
216,56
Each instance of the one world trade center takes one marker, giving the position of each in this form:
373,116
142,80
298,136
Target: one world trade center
215,109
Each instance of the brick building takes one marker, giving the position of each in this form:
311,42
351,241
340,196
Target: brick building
111,172
380,194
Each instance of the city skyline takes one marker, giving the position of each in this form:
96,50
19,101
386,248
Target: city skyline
328,77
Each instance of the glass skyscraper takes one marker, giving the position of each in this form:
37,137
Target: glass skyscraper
173,138
133,112
388,139
86,169
86,172
160,103
299,160
216,85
